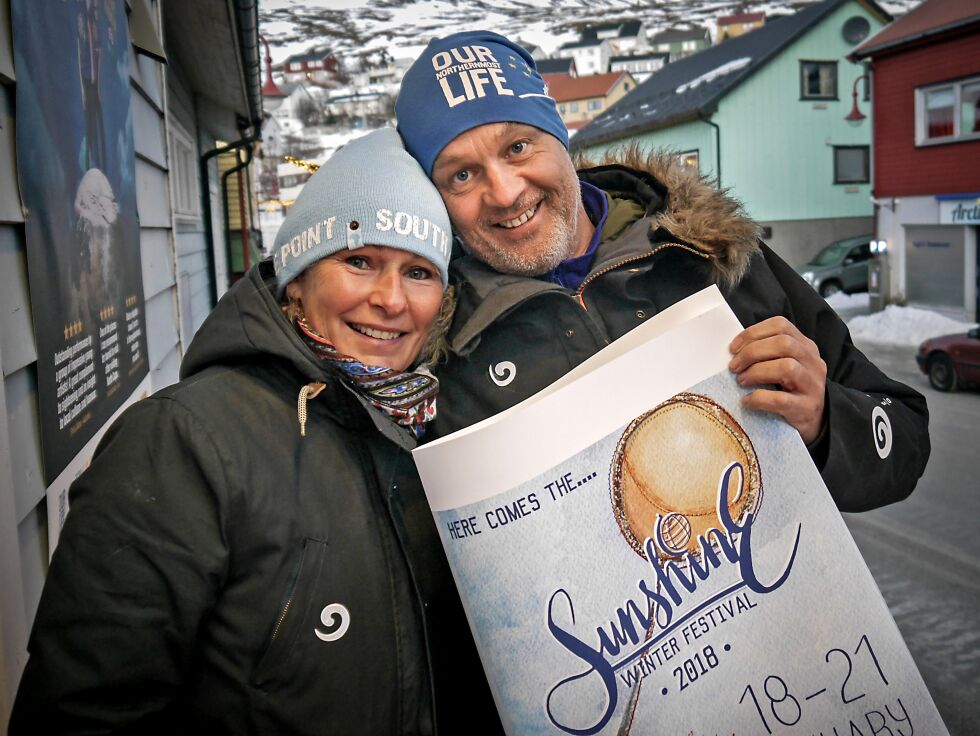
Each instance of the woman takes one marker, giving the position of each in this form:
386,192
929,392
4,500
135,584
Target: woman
232,560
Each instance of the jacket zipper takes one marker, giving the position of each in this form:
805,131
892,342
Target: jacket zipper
580,292
282,617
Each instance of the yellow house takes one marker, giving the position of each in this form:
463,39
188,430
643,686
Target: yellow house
730,26
580,99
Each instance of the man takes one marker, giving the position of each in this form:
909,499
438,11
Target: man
558,264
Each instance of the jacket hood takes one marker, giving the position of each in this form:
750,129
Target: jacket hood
247,325
682,202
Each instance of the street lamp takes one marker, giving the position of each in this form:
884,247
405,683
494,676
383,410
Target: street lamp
855,115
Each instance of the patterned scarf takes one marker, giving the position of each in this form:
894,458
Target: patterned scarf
408,398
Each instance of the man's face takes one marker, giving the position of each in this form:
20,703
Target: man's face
513,197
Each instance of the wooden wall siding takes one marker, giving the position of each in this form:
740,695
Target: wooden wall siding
10,209
148,131
152,195
765,116
17,346
25,439
6,47
156,257
166,372
902,169
23,515
192,278
17,358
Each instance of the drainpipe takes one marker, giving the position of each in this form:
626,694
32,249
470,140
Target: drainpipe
206,206
703,119
251,213
246,226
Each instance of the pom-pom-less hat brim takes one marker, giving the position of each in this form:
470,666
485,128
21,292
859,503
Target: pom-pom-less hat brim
370,192
466,80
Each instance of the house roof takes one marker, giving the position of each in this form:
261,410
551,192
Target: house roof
640,57
582,44
929,19
564,87
623,29
555,66
727,20
315,54
672,35
691,87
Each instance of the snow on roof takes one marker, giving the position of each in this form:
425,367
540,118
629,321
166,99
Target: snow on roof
732,66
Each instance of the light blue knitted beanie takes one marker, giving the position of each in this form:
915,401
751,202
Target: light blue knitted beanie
370,192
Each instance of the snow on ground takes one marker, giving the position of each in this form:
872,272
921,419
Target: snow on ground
841,301
907,326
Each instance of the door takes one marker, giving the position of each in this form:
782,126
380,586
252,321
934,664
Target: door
854,273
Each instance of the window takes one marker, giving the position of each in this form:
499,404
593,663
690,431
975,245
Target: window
851,165
184,189
561,109
573,107
948,112
690,159
859,253
818,80
595,104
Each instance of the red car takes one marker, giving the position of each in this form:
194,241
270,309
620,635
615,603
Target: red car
951,361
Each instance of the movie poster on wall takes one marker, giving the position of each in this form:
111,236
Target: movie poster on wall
652,558
76,166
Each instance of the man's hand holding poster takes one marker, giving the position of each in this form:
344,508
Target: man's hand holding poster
638,553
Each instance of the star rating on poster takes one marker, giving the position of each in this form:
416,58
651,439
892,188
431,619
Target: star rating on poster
73,328
107,313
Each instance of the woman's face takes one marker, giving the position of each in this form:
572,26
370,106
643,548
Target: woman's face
375,304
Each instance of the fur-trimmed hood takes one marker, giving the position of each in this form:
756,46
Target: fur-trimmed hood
679,200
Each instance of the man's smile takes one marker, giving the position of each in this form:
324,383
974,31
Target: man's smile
520,219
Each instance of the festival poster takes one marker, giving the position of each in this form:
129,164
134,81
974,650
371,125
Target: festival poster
75,162
654,559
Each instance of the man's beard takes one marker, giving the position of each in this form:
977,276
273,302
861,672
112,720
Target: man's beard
557,245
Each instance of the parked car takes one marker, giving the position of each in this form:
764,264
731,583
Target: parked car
840,266
951,361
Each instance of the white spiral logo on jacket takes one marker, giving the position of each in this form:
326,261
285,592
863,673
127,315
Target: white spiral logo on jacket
503,373
336,617
881,428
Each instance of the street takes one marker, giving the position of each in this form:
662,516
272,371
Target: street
924,552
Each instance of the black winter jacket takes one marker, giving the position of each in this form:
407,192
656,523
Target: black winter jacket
669,234
213,559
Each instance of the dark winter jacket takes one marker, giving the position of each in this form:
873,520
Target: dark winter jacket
668,235
219,573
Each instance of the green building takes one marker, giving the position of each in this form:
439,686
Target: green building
770,116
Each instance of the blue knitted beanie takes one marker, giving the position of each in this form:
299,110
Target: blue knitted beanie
466,80
370,192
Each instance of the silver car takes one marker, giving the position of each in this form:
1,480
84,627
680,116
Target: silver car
840,266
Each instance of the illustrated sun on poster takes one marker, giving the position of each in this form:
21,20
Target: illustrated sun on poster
639,554
76,169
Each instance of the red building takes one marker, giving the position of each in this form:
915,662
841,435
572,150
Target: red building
925,71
